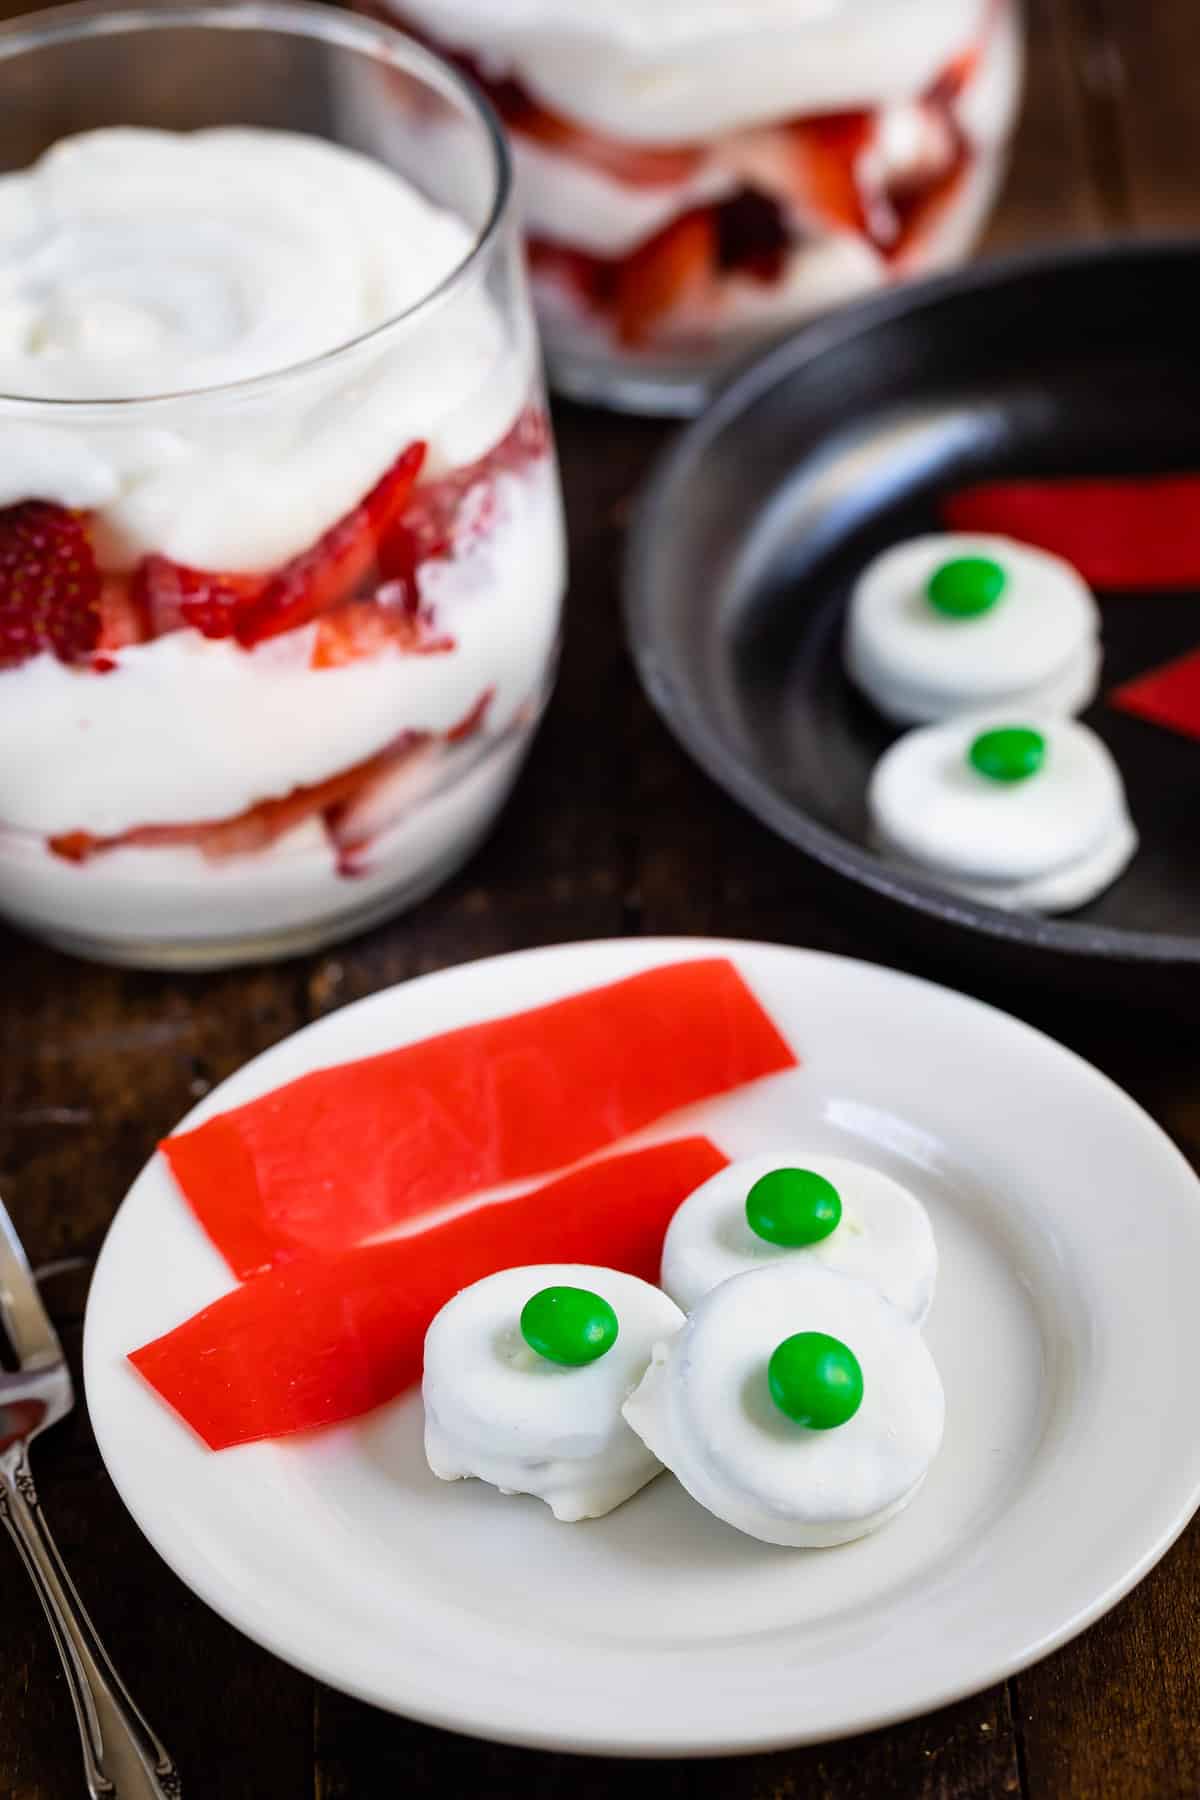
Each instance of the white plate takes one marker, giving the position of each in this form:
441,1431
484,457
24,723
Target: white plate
1065,1328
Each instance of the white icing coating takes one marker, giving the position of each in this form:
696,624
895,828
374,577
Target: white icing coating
1045,844
884,1237
135,263
1035,651
705,1410
677,71
496,1410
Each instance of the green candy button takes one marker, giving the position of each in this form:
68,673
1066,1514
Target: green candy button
966,586
793,1207
569,1325
1011,753
816,1380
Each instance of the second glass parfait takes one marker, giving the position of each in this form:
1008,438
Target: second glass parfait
697,175
281,548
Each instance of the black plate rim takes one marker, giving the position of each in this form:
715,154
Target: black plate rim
665,495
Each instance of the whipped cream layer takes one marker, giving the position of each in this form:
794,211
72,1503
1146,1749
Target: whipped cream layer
190,728
681,71
136,263
496,1410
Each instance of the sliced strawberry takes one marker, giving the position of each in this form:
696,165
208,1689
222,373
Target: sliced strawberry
825,150
171,595
256,828
49,585
919,213
338,563
527,442
958,73
673,268
254,607
962,69
438,517
385,538
370,627
587,279
472,722
122,618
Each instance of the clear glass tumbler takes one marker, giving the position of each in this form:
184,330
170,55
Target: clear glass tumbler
281,547
696,177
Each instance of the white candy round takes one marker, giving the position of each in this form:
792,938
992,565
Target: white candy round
1036,648
884,1237
497,1410
1047,843
705,1409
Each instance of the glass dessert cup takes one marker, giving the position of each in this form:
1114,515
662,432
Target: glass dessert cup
273,648
691,187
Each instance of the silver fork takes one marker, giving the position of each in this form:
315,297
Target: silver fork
122,1758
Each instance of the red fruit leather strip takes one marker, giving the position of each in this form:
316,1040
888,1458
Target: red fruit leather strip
331,1337
347,1153
1135,531
1168,696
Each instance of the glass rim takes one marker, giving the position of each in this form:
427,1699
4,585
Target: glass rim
297,18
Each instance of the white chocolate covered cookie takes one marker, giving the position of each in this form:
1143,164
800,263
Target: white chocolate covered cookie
1029,817
547,1420
952,623
798,1206
796,1404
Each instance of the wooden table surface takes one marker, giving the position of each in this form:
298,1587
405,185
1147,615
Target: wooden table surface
611,831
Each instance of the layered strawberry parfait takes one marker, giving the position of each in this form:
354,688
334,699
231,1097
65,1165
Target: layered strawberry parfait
281,551
697,173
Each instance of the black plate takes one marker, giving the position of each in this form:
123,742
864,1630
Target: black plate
835,444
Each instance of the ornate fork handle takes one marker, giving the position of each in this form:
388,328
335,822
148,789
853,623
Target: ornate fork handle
123,1760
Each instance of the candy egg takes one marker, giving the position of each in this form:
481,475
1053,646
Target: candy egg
1025,814
797,1404
795,1205
525,1374
949,623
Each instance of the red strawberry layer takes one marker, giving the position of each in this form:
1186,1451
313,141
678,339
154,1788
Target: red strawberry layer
53,597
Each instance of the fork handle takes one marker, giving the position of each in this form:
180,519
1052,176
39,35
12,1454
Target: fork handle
122,1758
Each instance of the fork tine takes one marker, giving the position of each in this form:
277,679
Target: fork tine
22,1314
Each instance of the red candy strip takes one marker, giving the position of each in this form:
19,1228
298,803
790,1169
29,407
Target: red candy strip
348,1153
331,1337
1131,532
1168,696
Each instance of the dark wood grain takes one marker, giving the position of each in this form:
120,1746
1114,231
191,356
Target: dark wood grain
611,830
